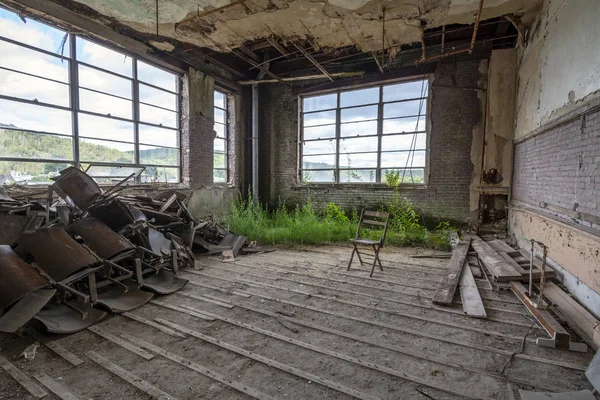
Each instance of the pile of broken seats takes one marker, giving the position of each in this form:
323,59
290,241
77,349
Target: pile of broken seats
68,262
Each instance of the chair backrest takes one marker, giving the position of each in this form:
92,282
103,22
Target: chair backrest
374,219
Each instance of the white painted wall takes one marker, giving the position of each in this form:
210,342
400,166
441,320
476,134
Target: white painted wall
560,67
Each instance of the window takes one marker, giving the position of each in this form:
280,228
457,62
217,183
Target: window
365,135
65,100
221,143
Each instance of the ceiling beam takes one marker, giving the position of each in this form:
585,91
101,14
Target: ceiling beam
278,47
260,67
315,62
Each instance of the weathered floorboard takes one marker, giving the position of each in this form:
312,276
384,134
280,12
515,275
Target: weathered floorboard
447,287
499,268
471,300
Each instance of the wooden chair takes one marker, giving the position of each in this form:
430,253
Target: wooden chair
375,219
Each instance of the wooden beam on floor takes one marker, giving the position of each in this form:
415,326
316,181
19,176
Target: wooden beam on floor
22,379
120,342
130,378
206,298
221,290
447,286
56,348
498,267
471,300
153,324
59,390
177,308
240,387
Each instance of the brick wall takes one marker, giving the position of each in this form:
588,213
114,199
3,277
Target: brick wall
558,171
454,113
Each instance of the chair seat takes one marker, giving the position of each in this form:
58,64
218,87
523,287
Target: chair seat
365,241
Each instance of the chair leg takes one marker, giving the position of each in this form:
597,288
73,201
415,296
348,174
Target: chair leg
358,254
377,257
373,266
352,256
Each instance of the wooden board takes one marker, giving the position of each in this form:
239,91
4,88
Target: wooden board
23,379
59,390
118,341
447,286
469,294
56,348
498,267
578,318
499,246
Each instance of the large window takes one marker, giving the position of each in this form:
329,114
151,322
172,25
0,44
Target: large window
65,100
221,143
366,135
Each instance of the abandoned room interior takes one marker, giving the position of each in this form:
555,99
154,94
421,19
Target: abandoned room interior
299,199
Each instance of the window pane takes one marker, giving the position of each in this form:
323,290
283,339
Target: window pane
160,174
319,118
319,132
158,155
318,162
29,88
400,125
32,33
94,79
100,56
359,114
317,103
407,176
158,116
318,176
355,145
359,128
399,159
29,173
219,160
33,62
220,176
219,146
35,145
358,97
105,128
156,76
112,171
158,136
407,90
405,109
359,160
220,129
35,118
358,175
404,142
219,99
105,151
104,104
158,97
318,147
219,116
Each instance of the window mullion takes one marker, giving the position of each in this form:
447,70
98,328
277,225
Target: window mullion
379,134
338,129
74,97
135,104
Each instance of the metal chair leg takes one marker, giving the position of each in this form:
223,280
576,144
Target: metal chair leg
373,267
352,256
358,254
377,257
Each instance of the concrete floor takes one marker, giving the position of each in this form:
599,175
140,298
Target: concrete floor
293,324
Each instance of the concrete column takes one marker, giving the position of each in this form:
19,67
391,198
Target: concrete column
197,128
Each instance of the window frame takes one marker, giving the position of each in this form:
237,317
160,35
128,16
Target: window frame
225,139
74,108
379,119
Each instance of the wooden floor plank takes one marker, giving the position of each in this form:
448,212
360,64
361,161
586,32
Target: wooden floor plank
118,341
499,268
130,378
471,300
23,379
153,324
447,286
59,390
56,348
178,308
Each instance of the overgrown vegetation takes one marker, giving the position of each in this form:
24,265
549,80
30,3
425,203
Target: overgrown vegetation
304,225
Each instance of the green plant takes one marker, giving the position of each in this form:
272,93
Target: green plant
334,213
392,178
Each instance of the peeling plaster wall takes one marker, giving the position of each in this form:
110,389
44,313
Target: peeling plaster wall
557,143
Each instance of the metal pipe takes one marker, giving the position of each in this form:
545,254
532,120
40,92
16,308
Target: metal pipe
542,278
255,143
302,78
531,270
476,27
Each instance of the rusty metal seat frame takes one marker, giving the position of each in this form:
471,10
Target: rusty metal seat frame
376,245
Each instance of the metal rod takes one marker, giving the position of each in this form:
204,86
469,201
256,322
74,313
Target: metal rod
476,27
531,270
315,62
382,39
303,78
379,65
542,279
422,43
443,37
255,143
260,67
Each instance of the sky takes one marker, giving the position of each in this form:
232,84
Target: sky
46,119
400,116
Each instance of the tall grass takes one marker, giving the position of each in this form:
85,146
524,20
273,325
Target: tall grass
304,225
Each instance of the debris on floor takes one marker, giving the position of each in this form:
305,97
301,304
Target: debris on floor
66,261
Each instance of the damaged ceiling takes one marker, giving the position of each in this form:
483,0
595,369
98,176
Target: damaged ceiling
285,38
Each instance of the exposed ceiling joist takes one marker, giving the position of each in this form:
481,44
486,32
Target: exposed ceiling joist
315,62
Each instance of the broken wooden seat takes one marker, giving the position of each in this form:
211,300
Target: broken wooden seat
23,291
77,188
376,220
